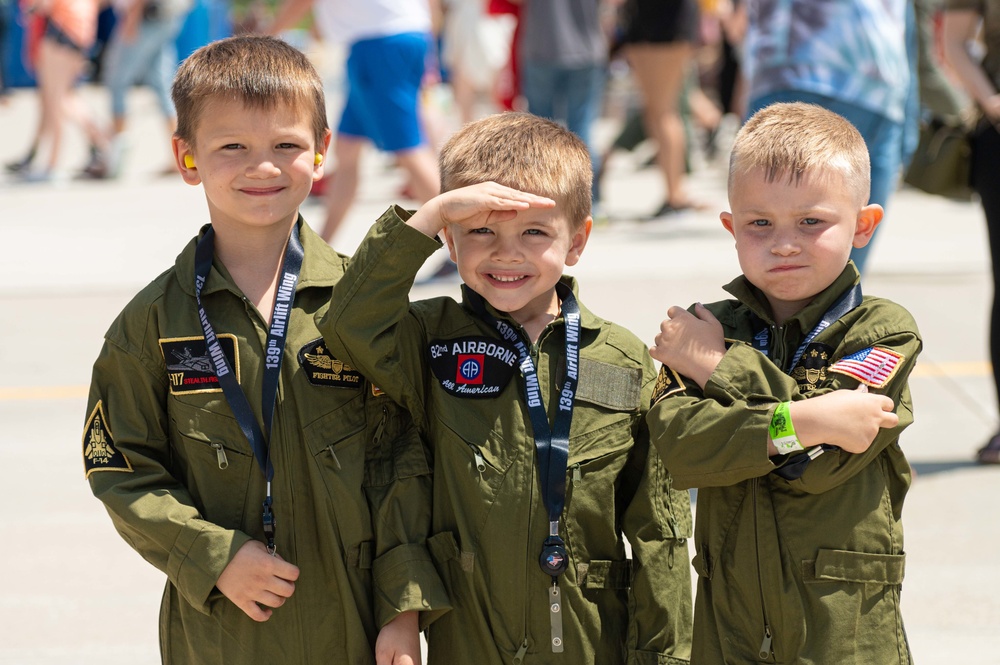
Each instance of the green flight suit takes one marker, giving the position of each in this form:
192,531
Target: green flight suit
793,571
164,452
489,521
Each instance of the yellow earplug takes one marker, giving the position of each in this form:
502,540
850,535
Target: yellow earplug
189,161
318,159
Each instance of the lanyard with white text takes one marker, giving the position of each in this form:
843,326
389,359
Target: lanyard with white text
273,351
551,444
762,342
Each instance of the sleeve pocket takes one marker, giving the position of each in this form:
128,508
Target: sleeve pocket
859,567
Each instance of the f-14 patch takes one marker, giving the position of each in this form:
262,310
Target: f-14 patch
189,367
322,369
473,366
873,366
99,452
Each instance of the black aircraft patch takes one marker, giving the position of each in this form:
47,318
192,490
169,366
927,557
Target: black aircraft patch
473,366
322,369
668,382
811,368
99,452
189,367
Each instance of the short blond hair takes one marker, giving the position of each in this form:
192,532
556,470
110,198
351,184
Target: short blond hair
262,72
791,139
525,152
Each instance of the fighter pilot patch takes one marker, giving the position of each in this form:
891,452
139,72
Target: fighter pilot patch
322,369
99,452
189,367
473,366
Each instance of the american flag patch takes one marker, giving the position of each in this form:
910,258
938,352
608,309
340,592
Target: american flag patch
873,366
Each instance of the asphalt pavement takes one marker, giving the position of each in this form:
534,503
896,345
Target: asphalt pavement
75,252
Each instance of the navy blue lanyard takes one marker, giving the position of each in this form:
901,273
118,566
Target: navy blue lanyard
273,352
551,444
762,342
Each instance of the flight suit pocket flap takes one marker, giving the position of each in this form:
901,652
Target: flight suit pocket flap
361,555
603,574
860,567
611,386
443,548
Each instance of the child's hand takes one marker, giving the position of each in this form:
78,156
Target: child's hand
690,345
398,642
256,581
474,206
848,419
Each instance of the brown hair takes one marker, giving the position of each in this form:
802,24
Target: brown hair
262,72
791,139
525,152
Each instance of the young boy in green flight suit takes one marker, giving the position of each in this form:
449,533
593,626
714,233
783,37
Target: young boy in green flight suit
534,410
226,441
784,407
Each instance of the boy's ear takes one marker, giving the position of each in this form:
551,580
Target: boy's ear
727,222
450,242
579,241
184,156
321,149
869,218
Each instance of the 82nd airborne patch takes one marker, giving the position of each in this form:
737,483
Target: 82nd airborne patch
322,369
472,366
99,452
190,370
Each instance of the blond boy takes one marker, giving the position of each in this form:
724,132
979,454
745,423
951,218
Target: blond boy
226,442
784,407
533,407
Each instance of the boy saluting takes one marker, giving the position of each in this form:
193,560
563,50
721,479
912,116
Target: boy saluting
534,408
226,442
784,407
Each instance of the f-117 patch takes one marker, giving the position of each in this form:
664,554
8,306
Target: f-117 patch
473,366
668,382
322,369
99,452
873,366
189,366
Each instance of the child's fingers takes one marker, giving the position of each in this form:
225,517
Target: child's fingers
862,388
675,312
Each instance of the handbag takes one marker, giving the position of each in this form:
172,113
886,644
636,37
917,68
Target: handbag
942,162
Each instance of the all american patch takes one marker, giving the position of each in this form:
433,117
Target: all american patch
873,366
322,369
99,452
473,366
189,368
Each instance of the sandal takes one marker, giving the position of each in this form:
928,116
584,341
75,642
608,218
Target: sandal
990,453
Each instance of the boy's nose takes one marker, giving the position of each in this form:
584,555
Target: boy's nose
263,167
507,249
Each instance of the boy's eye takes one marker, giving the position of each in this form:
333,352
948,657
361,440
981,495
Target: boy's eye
286,146
232,146
811,221
759,222
534,232
481,230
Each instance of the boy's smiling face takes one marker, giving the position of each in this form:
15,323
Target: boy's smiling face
794,238
257,165
515,265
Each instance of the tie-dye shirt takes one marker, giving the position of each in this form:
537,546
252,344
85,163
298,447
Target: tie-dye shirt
851,50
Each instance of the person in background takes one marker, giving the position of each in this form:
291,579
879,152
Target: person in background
963,20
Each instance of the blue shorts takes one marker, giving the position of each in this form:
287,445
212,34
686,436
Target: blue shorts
383,77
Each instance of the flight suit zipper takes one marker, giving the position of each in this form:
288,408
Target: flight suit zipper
220,453
477,454
765,646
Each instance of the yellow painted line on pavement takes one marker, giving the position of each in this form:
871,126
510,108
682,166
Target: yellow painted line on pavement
923,369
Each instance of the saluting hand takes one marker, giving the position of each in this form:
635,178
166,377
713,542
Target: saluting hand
256,581
474,206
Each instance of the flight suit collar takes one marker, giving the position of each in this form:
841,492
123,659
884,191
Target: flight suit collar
810,315
320,266
587,319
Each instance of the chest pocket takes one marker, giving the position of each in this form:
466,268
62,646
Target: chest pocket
212,457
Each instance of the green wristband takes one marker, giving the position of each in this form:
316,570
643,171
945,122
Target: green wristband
783,432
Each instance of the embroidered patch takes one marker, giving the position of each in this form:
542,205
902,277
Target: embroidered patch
473,366
189,368
99,452
873,366
668,382
322,369
812,367
376,391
